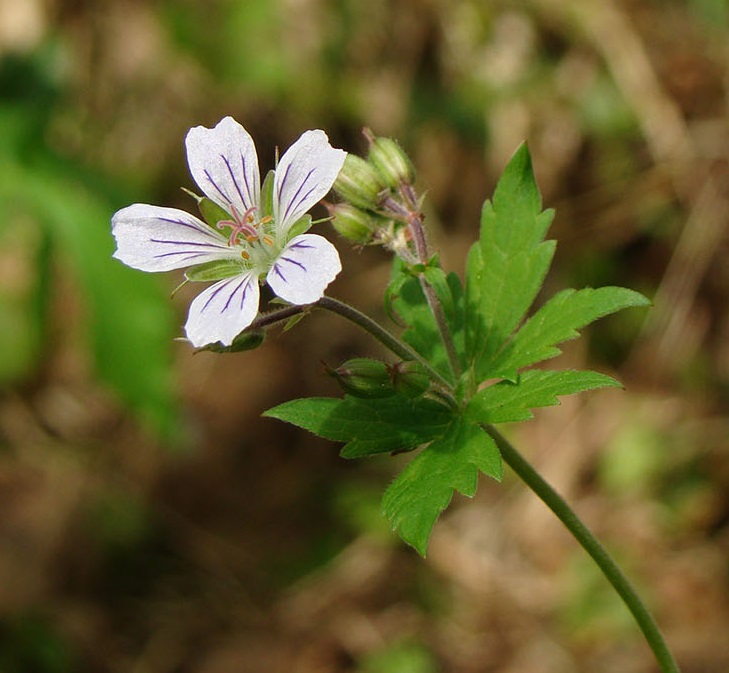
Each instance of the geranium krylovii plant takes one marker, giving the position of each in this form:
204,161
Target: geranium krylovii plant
465,358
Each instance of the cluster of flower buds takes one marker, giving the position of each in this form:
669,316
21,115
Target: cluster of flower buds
377,195
366,378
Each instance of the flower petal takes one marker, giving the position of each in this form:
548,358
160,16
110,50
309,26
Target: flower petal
223,310
305,173
304,268
224,164
152,238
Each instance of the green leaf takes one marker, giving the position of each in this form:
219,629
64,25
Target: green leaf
368,426
557,321
25,254
405,298
130,318
506,402
301,226
413,502
506,267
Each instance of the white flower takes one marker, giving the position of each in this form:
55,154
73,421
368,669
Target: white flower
253,238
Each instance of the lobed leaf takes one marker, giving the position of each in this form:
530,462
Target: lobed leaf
506,267
507,402
558,321
368,426
413,502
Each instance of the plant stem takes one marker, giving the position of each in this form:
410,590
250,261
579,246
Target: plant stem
591,545
277,315
415,224
382,335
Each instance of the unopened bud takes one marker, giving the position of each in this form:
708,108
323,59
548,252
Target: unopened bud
355,224
363,377
391,162
359,183
409,378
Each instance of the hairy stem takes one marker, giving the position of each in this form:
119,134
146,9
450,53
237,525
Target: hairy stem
592,546
415,224
277,315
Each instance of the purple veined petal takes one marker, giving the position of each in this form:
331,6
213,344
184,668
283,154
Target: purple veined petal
304,175
151,238
304,268
223,310
224,164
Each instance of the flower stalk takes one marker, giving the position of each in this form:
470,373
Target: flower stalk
591,545
538,485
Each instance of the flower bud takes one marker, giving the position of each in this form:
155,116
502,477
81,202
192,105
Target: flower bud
363,377
359,183
353,223
409,378
391,162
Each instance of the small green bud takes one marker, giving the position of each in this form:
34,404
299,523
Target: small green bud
391,162
246,341
363,377
353,223
409,378
359,183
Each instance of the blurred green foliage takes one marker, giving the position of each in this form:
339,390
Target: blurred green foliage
399,657
29,643
94,106
56,211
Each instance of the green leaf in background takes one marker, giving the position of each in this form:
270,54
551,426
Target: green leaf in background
507,402
131,322
558,320
506,268
25,265
368,426
413,502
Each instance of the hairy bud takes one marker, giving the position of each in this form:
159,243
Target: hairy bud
359,183
363,377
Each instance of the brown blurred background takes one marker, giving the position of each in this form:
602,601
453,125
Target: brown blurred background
152,522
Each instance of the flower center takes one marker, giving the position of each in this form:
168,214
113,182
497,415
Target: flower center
245,226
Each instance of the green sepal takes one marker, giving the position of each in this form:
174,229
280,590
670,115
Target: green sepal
216,269
267,195
247,340
211,212
293,321
301,226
